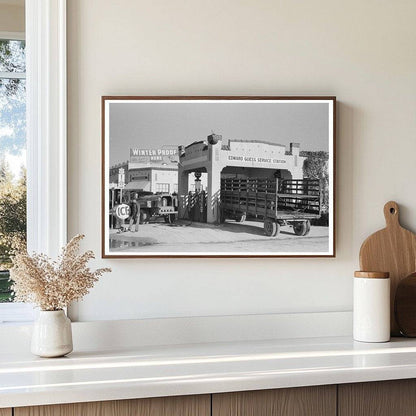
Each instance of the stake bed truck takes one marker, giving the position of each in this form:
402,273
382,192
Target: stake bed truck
276,202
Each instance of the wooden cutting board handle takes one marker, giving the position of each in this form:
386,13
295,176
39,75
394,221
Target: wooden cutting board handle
393,250
391,214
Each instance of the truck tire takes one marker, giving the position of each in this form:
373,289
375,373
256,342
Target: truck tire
222,216
271,228
144,217
308,227
240,217
302,228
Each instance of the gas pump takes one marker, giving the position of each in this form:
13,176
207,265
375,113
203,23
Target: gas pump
199,211
198,183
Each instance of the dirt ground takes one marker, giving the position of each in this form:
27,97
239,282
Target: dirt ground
192,237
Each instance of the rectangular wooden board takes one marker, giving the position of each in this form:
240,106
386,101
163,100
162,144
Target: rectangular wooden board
381,398
300,401
160,406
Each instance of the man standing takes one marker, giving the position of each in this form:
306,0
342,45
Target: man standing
134,213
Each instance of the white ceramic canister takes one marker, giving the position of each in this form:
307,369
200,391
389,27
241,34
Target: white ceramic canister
371,313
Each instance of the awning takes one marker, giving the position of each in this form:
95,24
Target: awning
137,186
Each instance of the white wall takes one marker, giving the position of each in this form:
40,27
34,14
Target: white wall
361,51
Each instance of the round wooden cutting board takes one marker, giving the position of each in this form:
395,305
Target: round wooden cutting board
393,250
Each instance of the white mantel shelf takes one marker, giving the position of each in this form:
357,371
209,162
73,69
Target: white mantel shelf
152,371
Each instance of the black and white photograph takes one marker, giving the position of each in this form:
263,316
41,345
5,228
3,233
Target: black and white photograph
218,176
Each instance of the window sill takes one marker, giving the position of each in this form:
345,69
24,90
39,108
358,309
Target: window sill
16,313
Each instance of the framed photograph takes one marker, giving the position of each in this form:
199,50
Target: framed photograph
218,176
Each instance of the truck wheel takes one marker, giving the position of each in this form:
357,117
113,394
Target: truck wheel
271,228
222,216
302,228
144,217
240,217
308,227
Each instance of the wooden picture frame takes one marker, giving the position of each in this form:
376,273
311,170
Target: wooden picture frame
218,176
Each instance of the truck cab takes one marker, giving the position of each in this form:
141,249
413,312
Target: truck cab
154,206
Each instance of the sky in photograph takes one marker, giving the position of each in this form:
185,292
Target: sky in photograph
154,125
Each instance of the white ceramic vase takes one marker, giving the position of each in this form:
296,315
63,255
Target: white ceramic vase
52,334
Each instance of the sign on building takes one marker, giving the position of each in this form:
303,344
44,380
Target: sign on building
138,155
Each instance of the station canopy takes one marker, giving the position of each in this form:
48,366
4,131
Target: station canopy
136,185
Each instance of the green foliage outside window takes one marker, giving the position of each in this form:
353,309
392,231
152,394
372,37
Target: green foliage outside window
12,223
12,145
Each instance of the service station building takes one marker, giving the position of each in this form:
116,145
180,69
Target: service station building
238,158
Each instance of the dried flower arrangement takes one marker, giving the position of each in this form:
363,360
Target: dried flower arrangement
53,285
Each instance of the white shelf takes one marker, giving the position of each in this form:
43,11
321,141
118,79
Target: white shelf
150,371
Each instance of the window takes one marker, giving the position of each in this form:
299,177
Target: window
45,27
162,187
12,155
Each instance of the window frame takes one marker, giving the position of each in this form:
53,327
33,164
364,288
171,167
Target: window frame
12,35
46,125
46,137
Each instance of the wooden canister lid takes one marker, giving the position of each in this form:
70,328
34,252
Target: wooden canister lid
372,275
